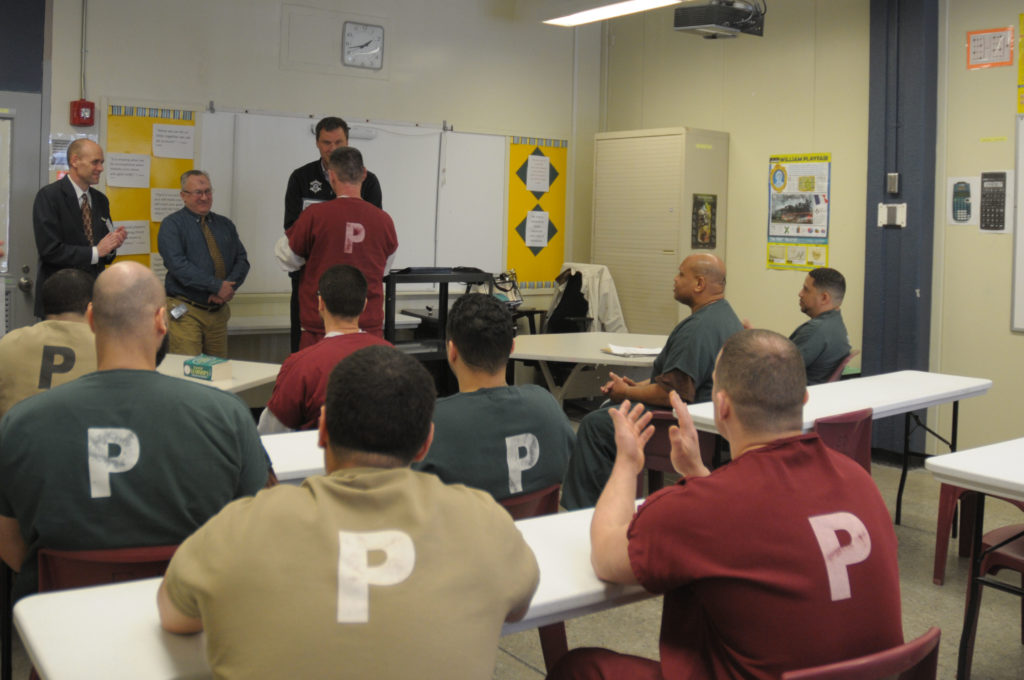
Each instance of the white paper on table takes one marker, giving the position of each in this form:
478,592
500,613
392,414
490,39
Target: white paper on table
538,173
536,229
127,170
163,202
174,141
626,351
137,242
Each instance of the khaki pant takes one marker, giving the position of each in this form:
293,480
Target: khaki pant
199,331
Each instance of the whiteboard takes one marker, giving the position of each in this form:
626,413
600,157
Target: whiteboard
472,199
1017,297
449,218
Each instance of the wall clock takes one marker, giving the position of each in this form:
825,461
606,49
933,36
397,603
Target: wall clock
362,45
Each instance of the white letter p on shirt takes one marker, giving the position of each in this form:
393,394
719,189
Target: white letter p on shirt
838,558
355,575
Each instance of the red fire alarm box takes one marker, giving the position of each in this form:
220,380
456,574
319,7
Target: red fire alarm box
82,112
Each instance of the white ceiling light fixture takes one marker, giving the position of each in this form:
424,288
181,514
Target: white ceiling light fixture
617,9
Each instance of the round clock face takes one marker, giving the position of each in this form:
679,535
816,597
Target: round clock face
362,45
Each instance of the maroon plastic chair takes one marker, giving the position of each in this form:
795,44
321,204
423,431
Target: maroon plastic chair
657,453
553,642
849,434
1009,556
914,660
948,497
60,569
838,373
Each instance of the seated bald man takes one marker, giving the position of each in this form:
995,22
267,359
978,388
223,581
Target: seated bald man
124,456
684,366
783,559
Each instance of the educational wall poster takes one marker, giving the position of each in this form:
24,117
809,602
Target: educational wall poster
798,210
704,222
147,150
990,47
536,209
1020,71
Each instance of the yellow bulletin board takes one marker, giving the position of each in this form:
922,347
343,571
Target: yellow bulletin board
536,209
130,130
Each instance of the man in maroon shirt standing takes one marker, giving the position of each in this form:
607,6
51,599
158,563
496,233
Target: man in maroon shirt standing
783,559
344,230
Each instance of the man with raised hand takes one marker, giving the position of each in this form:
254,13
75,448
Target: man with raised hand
783,559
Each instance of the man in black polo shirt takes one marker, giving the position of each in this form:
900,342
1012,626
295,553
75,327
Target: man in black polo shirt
309,184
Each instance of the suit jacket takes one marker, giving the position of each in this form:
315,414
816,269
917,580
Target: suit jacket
60,234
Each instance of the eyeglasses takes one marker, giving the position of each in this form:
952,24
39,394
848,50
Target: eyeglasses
199,192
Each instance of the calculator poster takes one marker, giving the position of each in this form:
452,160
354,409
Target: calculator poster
798,210
984,201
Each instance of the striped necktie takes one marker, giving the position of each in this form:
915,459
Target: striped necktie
211,243
87,218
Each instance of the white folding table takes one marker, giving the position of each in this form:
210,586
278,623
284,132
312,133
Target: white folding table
113,631
583,350
246,376
995,470
887,394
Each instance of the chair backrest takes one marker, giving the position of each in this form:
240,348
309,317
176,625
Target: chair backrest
570,313
656,453
914,660
60,569
838,373
849,434
533,503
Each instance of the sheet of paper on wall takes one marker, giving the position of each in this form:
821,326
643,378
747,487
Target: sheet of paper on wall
127,170
626,351
156,263
137,241
163,202
174,141
538,173
536,229
995,203
963,203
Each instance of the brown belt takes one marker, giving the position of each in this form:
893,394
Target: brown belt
206,308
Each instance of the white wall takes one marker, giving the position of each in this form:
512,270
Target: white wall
803,87
482,66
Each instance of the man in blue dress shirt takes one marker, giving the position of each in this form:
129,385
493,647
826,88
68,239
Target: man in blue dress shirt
206,263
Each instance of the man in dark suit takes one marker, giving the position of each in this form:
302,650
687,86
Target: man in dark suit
71,220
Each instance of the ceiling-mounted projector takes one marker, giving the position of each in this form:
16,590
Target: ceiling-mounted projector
721,18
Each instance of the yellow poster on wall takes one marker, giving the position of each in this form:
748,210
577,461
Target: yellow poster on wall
147,150
536,209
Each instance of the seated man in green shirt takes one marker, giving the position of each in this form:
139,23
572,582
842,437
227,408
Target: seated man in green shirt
684,366
124,456
823,341
504,440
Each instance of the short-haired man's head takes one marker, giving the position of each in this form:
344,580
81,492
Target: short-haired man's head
763,374
193,173
379,401
482,329
125,297
831,281
347,164
78,146
343,290
68,291
330,124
